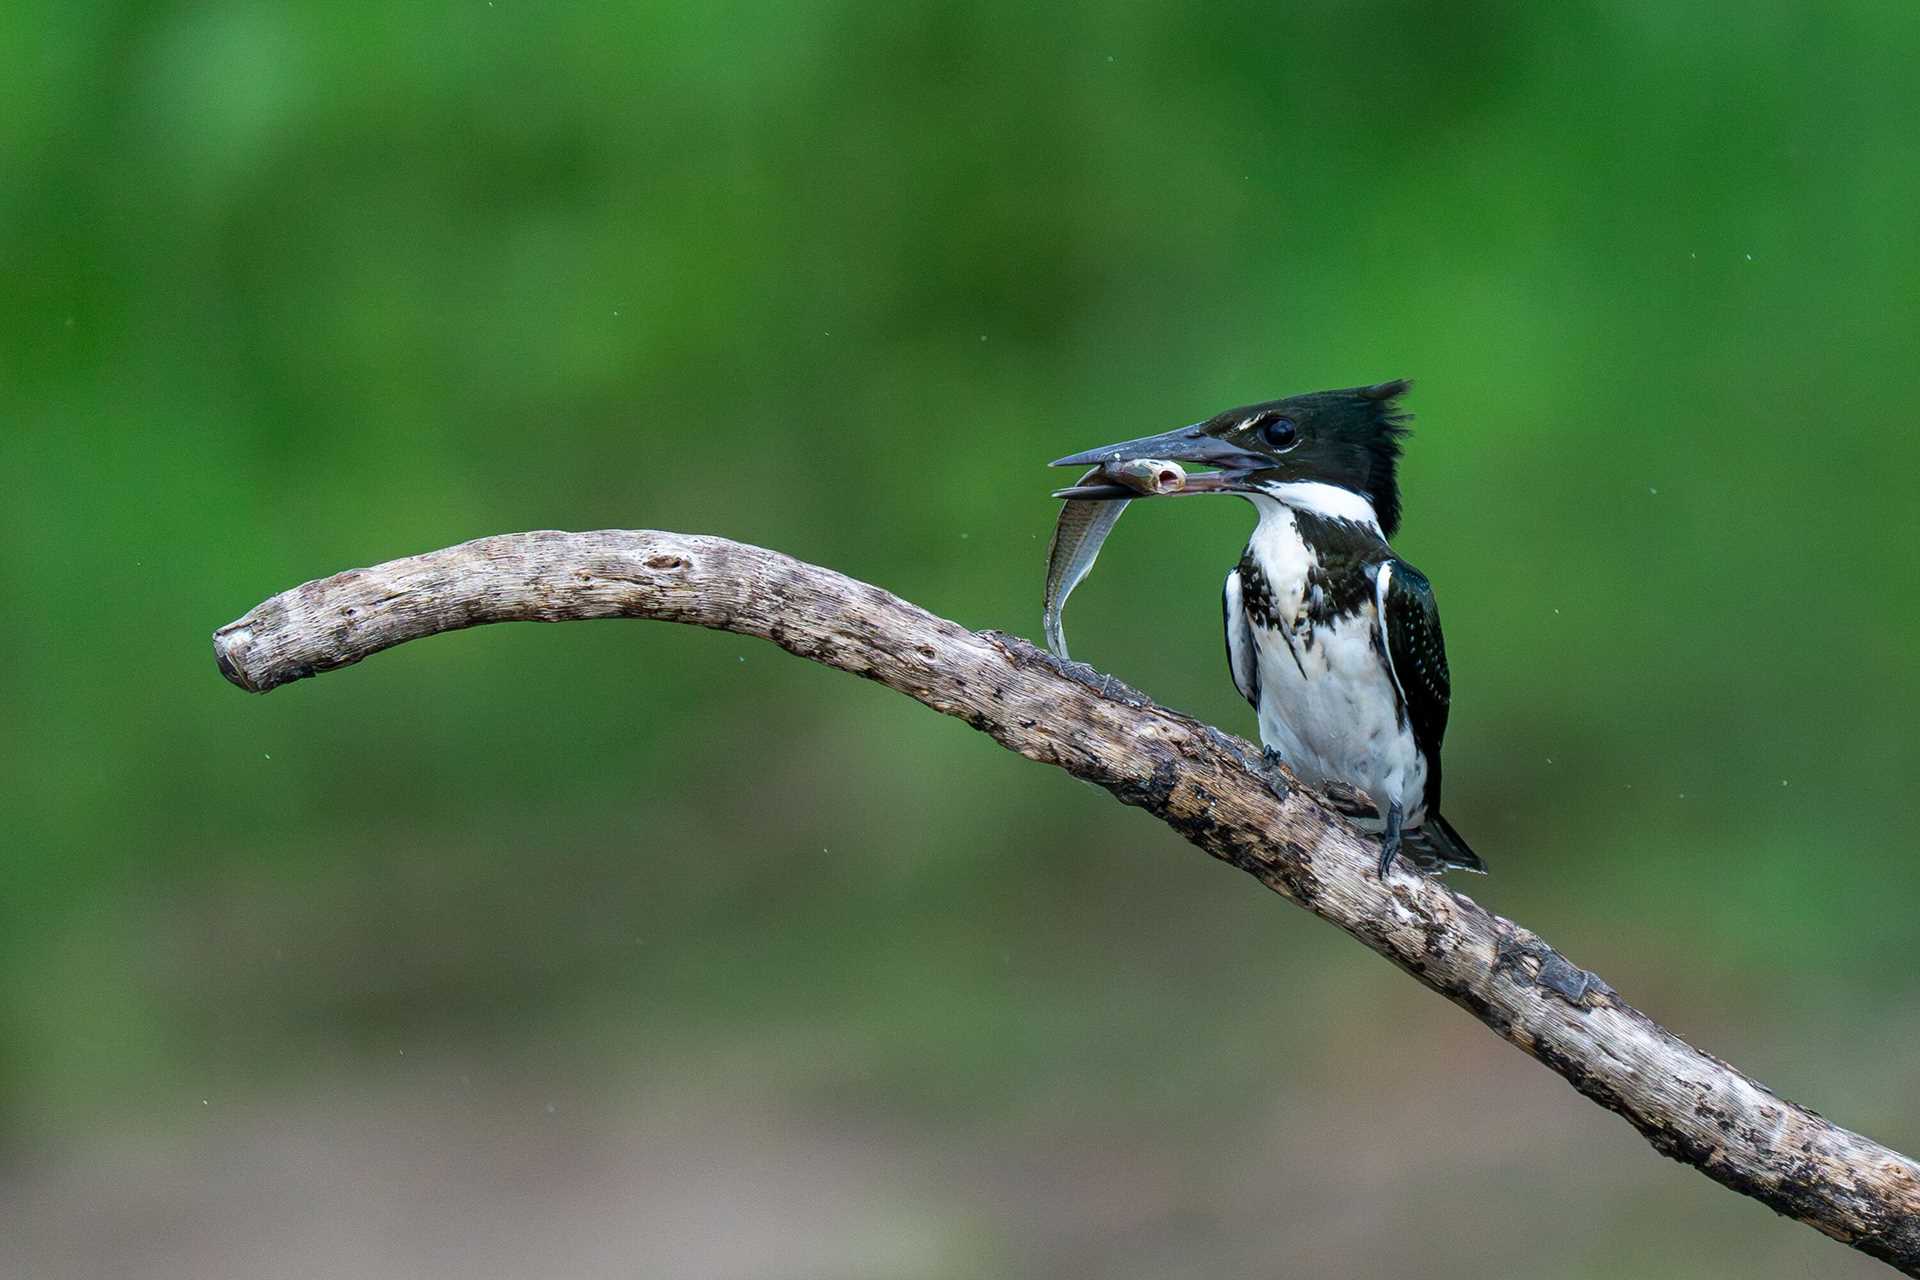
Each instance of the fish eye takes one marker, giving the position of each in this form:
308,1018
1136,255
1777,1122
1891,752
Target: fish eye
1278,431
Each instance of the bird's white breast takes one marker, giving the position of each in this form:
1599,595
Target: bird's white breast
1333,715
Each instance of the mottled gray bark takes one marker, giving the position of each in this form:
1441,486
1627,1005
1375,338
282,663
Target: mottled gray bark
1203,783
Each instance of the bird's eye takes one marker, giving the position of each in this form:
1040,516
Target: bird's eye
1279,432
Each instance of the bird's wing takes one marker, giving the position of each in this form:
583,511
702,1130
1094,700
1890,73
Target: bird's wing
1416,652
1242,658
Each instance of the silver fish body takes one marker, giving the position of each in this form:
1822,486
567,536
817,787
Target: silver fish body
1084,525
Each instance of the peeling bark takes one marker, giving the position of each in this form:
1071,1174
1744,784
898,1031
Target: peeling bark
1203,783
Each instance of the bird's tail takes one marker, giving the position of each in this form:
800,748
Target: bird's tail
1437,847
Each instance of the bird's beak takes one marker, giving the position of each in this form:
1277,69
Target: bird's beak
1187,444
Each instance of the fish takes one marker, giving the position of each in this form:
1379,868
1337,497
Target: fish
1092,508
1148,477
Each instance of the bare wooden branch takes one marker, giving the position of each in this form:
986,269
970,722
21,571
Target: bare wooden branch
1690,1105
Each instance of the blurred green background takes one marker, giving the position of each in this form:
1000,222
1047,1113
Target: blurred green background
640,950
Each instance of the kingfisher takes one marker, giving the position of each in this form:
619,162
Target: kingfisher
1332,637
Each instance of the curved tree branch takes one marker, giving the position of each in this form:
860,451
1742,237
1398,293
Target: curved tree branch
1690,1105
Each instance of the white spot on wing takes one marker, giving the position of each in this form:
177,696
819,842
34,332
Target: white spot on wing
1383,579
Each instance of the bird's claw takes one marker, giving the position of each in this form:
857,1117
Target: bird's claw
1272,773
1390,841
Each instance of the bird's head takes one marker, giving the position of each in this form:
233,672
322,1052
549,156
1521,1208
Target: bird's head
1350,439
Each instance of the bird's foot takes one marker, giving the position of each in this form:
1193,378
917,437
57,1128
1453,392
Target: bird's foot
1273,774
1390,841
